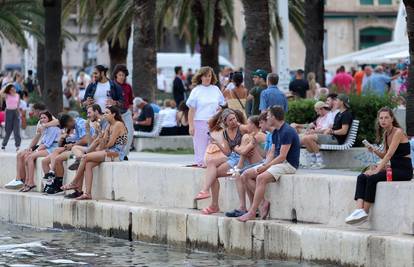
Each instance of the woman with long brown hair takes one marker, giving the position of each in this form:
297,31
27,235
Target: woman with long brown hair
396,150
109,147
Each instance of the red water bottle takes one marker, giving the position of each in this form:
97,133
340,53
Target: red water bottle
389,173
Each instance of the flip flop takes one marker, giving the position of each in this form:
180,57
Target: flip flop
202,195
84,196
68,187
210,210
28,188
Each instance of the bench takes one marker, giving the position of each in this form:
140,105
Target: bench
350,139
158,119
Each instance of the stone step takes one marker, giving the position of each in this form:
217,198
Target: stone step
306,196
187,228
164,142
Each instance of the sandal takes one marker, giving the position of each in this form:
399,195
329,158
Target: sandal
202,195
27,188
84,196
69,186
210,210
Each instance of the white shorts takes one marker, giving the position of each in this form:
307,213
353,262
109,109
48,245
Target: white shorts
278,170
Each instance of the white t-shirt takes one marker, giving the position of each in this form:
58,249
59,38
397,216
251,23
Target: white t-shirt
101,94
161,82
331,117
170,119
205,100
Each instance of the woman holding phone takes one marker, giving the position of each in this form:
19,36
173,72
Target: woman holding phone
396,150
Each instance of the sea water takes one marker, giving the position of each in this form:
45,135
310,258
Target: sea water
22,246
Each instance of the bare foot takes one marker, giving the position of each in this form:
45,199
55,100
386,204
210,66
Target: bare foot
264,209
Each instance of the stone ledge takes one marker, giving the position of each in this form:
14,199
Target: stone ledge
189,229
314,197
165,142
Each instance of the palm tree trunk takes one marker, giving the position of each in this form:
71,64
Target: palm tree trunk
117,53
144,53
314,10
257,51
409,7
209,52
53,56
40,65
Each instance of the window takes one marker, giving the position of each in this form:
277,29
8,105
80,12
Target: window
366,2
374,36
385,2
90,50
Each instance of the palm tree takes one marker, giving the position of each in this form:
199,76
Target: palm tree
257,50
265,14
52,91
18,16
114,20
144,78
409,7
314,31
200,22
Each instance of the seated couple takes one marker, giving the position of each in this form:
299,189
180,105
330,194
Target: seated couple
283,158
335,135
108,146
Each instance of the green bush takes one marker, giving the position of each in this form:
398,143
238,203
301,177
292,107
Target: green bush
364,109
32,121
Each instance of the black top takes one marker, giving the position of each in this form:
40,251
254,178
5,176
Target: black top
342,118
178,90
146,112
299,87
402,150
236,141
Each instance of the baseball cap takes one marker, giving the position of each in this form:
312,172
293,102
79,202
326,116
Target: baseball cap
260,73
344,98
320,104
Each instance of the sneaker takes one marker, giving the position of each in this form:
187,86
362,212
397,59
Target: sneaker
235,213
3,148
54,188
318,165
49,175
14,184
74,194
126,158
74,166
357,216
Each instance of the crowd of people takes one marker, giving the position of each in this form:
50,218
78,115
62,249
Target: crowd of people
235,131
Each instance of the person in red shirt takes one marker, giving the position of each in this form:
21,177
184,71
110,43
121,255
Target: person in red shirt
119,75
359,76
343,81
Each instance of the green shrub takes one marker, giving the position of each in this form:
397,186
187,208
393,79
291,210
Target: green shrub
364,109
32,121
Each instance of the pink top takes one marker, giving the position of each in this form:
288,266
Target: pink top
343,82
12,101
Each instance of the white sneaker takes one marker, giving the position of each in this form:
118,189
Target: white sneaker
318,165
14,184
357,216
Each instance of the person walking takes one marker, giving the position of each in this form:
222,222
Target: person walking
119,75
12,115
259,80
272,95
178,85
204,101
343,81
236,97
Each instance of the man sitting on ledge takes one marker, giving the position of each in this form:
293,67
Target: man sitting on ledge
286,151
145,120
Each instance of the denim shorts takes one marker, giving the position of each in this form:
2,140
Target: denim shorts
233,159
52,148
252,165
118,149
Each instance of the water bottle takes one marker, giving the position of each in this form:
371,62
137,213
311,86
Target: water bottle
389,173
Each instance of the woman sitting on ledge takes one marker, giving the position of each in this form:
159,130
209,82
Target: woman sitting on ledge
110,147
396,150
48,144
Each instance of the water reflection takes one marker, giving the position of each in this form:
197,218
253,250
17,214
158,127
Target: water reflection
24,246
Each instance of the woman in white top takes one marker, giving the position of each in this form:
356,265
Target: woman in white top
204,101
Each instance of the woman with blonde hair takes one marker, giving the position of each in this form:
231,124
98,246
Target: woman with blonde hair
204,101
313,85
